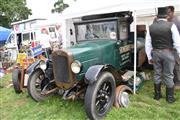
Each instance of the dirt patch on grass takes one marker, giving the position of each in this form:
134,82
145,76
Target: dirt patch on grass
21,102
6,80
6,84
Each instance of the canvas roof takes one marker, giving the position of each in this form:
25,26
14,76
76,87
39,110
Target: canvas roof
4,33
91,7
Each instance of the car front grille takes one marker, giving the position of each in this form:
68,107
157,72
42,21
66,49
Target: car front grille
60,66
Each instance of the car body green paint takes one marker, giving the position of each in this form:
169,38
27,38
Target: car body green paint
99,52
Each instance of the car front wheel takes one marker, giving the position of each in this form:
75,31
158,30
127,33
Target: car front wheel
99,96
36,82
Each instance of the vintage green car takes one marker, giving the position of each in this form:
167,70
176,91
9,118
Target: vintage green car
92,69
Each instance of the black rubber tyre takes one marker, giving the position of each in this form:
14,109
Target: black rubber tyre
36,83
100,96
16,78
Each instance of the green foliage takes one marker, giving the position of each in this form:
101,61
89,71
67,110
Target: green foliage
143,107
13,10
59,6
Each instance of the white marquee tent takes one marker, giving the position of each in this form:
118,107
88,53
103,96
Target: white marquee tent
91,7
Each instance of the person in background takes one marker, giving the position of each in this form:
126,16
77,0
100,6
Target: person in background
60,40
161,39
176,21
173,18
45,42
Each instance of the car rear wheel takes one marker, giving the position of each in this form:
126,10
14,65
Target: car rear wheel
16,78
99,96
36,82
122,96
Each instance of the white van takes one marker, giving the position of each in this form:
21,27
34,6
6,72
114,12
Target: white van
31,38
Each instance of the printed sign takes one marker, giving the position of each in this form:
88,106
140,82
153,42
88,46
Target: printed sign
37,50
125,48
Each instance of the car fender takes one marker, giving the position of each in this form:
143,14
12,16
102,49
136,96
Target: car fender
31,73
93,72
32,67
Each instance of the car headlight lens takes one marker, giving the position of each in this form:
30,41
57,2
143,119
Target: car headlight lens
76,67
42,65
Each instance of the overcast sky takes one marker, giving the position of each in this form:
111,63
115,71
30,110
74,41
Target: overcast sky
42,8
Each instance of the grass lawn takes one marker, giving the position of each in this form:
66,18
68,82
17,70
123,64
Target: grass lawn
142,107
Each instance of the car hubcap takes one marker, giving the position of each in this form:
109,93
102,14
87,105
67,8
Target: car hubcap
124,99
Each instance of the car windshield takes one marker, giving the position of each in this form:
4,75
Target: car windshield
97,30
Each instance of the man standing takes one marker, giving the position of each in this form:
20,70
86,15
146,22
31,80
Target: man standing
176,21
160,40
173,18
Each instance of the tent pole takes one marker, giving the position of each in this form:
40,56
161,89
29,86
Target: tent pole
135,51
64,33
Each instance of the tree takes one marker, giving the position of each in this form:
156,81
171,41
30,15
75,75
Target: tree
59,6
12,11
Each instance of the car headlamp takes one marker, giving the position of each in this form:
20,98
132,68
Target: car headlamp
76,67
43,65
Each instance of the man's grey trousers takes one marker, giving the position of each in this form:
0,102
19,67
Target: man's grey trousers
164,62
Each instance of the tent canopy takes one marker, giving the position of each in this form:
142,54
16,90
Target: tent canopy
4,33
91,7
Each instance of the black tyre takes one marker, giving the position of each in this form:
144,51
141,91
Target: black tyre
16,78
100,96
36,83
122,96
